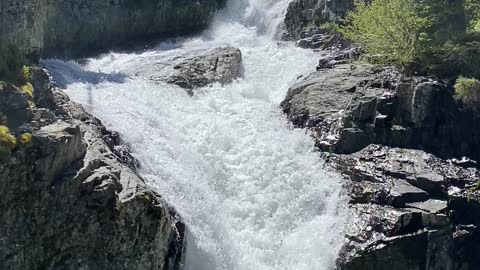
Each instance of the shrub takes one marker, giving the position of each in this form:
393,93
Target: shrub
390,30
26,138
455,58
472,11
27,88
25,74
468,91
7,140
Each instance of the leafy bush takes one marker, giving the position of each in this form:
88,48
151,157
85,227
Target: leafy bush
392,31
7,140
468,91
26,138
454,58
472,11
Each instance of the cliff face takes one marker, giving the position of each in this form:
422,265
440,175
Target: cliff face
72,198
32,28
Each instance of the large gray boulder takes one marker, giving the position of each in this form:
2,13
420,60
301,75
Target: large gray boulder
192,68
73,200
221,65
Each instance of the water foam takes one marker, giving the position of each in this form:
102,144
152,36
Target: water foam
251,189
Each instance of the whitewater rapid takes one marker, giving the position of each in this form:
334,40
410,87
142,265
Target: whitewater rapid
250,188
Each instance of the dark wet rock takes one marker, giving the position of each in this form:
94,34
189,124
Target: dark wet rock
14,105
411,210
402,193
305,18
70,201
351,106
221,65
193,68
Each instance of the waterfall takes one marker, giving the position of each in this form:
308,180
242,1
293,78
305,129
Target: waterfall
251,189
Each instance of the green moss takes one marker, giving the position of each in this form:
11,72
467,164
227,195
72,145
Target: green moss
27,89
7,140
25,74
25,138
468,91
146,198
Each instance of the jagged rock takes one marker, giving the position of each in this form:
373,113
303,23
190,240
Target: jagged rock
221,65
71,203
304,17
430,206
399,201
402,193
14,105
351,106
43,94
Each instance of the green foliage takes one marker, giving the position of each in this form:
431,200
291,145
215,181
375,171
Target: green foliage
26,138
7,140
391,31
454,58
472,11
468,91
25,74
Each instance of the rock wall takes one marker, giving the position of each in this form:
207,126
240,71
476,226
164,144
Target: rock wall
71,28
304,16
412,209
71,197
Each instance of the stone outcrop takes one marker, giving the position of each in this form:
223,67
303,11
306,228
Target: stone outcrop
71,28
304,18
309,23
72,198
221,65
351,106
195,68
411,209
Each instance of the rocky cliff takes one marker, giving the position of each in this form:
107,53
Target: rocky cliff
29,29
71,197
409,150
407,147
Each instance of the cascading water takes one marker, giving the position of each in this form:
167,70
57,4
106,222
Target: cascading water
250,188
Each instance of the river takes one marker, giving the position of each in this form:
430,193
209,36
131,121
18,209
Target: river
251,189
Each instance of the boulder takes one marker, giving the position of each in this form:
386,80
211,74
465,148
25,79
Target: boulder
222,65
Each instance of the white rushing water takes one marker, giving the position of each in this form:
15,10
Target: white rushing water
251,189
